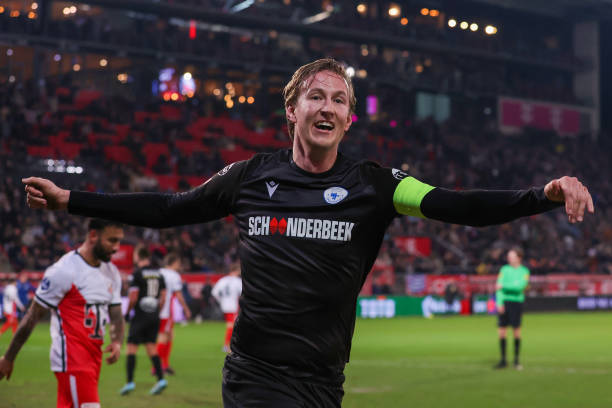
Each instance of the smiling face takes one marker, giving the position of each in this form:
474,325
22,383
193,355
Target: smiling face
322,114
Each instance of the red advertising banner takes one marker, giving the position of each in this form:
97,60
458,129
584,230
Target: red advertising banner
515,114
418,246
123,258
548,285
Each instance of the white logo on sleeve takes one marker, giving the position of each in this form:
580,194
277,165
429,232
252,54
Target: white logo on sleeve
334,195
399,174
272,186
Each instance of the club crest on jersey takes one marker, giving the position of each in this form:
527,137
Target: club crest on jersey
45,284
399,174
334,195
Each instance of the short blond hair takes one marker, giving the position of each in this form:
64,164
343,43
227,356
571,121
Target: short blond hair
291,93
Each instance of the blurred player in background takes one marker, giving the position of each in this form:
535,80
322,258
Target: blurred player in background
311,222
227,292
10,305
25,291
146,295
174,287
82,290
509,297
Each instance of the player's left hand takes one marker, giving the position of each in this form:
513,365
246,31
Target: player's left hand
115,350
575,195
6,368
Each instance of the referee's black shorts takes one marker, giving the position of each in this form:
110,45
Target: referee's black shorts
513,312
250,384
143,330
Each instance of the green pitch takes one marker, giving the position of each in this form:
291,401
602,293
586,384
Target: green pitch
409,362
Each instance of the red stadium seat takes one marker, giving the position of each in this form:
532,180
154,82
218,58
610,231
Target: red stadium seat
41,151
152,151
69,151
189,146
119,154
167,182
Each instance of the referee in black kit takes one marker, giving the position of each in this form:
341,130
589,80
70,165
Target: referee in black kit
311,222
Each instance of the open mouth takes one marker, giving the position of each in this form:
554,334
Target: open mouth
324,125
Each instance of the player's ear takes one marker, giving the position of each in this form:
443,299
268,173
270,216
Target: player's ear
349,122
290,112
93,236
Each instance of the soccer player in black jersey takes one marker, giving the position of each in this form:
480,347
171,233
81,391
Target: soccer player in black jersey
311,222
146,296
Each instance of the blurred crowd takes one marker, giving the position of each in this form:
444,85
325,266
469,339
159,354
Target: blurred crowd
459,154
428,64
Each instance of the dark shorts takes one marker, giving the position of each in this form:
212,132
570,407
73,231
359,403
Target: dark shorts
143,331
513,312
247,384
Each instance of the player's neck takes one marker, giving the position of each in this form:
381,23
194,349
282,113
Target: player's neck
313,160
86,253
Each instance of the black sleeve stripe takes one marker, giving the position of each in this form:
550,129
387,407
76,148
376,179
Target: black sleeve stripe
40,300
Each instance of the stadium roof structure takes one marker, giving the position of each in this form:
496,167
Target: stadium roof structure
571,9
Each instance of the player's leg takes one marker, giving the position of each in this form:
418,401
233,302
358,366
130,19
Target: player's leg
502,324
163,343
6,325
229,328
149,337
130,365
14,322
516,318
167,368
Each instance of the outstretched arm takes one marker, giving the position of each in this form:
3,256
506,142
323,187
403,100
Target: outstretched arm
35,312
490,207
117,329
209,201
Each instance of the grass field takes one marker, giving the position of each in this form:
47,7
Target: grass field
402,362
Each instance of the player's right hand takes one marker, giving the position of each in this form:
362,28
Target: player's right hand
6,368
500,310
44,194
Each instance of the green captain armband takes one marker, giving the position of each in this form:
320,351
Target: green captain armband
408,196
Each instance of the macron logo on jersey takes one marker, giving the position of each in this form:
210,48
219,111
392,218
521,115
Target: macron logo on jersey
301,228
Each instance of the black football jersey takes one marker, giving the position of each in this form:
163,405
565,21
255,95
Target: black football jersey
149,282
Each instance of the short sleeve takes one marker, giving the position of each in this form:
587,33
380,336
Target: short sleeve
135,280
56,282
385,181
116,296
162,282
177,283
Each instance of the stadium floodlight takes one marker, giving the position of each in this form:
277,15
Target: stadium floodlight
394,10
404,21
362,8
490,30
57,58
66,11
452,23
1,9
362,73
464,25
9,52
76,67
31,15
78,169
474,27
187,75
317,17
350,71
424,11
242,6
434,13
103,62
73,9
242,99
250,100
217,92
34,6
12,79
